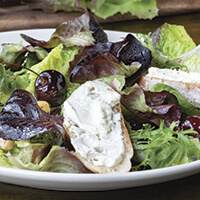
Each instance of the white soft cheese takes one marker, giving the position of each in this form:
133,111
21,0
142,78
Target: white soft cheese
175,75
94,125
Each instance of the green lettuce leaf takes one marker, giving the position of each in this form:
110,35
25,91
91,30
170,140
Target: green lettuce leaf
4,162
172,42
9,81
50,6
12,53
158,58
16,53
3,99
43,157
162,147
143,9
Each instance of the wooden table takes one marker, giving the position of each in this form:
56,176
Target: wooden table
186,188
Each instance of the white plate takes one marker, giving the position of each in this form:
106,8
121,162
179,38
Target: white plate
87,182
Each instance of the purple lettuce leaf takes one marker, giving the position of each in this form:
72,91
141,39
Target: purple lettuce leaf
127,57
151,108
98,63
21,118
130,50
81,31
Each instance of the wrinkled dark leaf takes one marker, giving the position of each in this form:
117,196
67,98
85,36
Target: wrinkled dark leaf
159,98
87,65
151,107
97,31
21,118
96,62
80,31
130,50
167,113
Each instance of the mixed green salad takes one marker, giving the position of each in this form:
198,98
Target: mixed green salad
34,138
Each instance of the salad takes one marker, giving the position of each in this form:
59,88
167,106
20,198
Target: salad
32,135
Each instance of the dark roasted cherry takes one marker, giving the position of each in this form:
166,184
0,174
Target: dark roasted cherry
51,86
192,122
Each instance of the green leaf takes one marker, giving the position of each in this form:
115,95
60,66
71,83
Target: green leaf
4,162
9,81
172,47
43,157
163,147
143,9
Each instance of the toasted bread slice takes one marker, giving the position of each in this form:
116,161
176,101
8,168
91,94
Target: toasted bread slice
95,125
188,84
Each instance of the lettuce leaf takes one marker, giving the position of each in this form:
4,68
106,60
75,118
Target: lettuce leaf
158,58
4,162
187,108
174,43
149,106
54,6
17,54
21,118
10,80
162,147
143,9
70,33
43,157
127,57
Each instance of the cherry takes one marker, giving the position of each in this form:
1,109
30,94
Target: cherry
192,122
51,86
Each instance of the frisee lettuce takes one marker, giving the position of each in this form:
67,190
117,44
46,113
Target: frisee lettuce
162,147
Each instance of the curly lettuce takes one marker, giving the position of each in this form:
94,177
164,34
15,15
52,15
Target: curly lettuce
162,147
